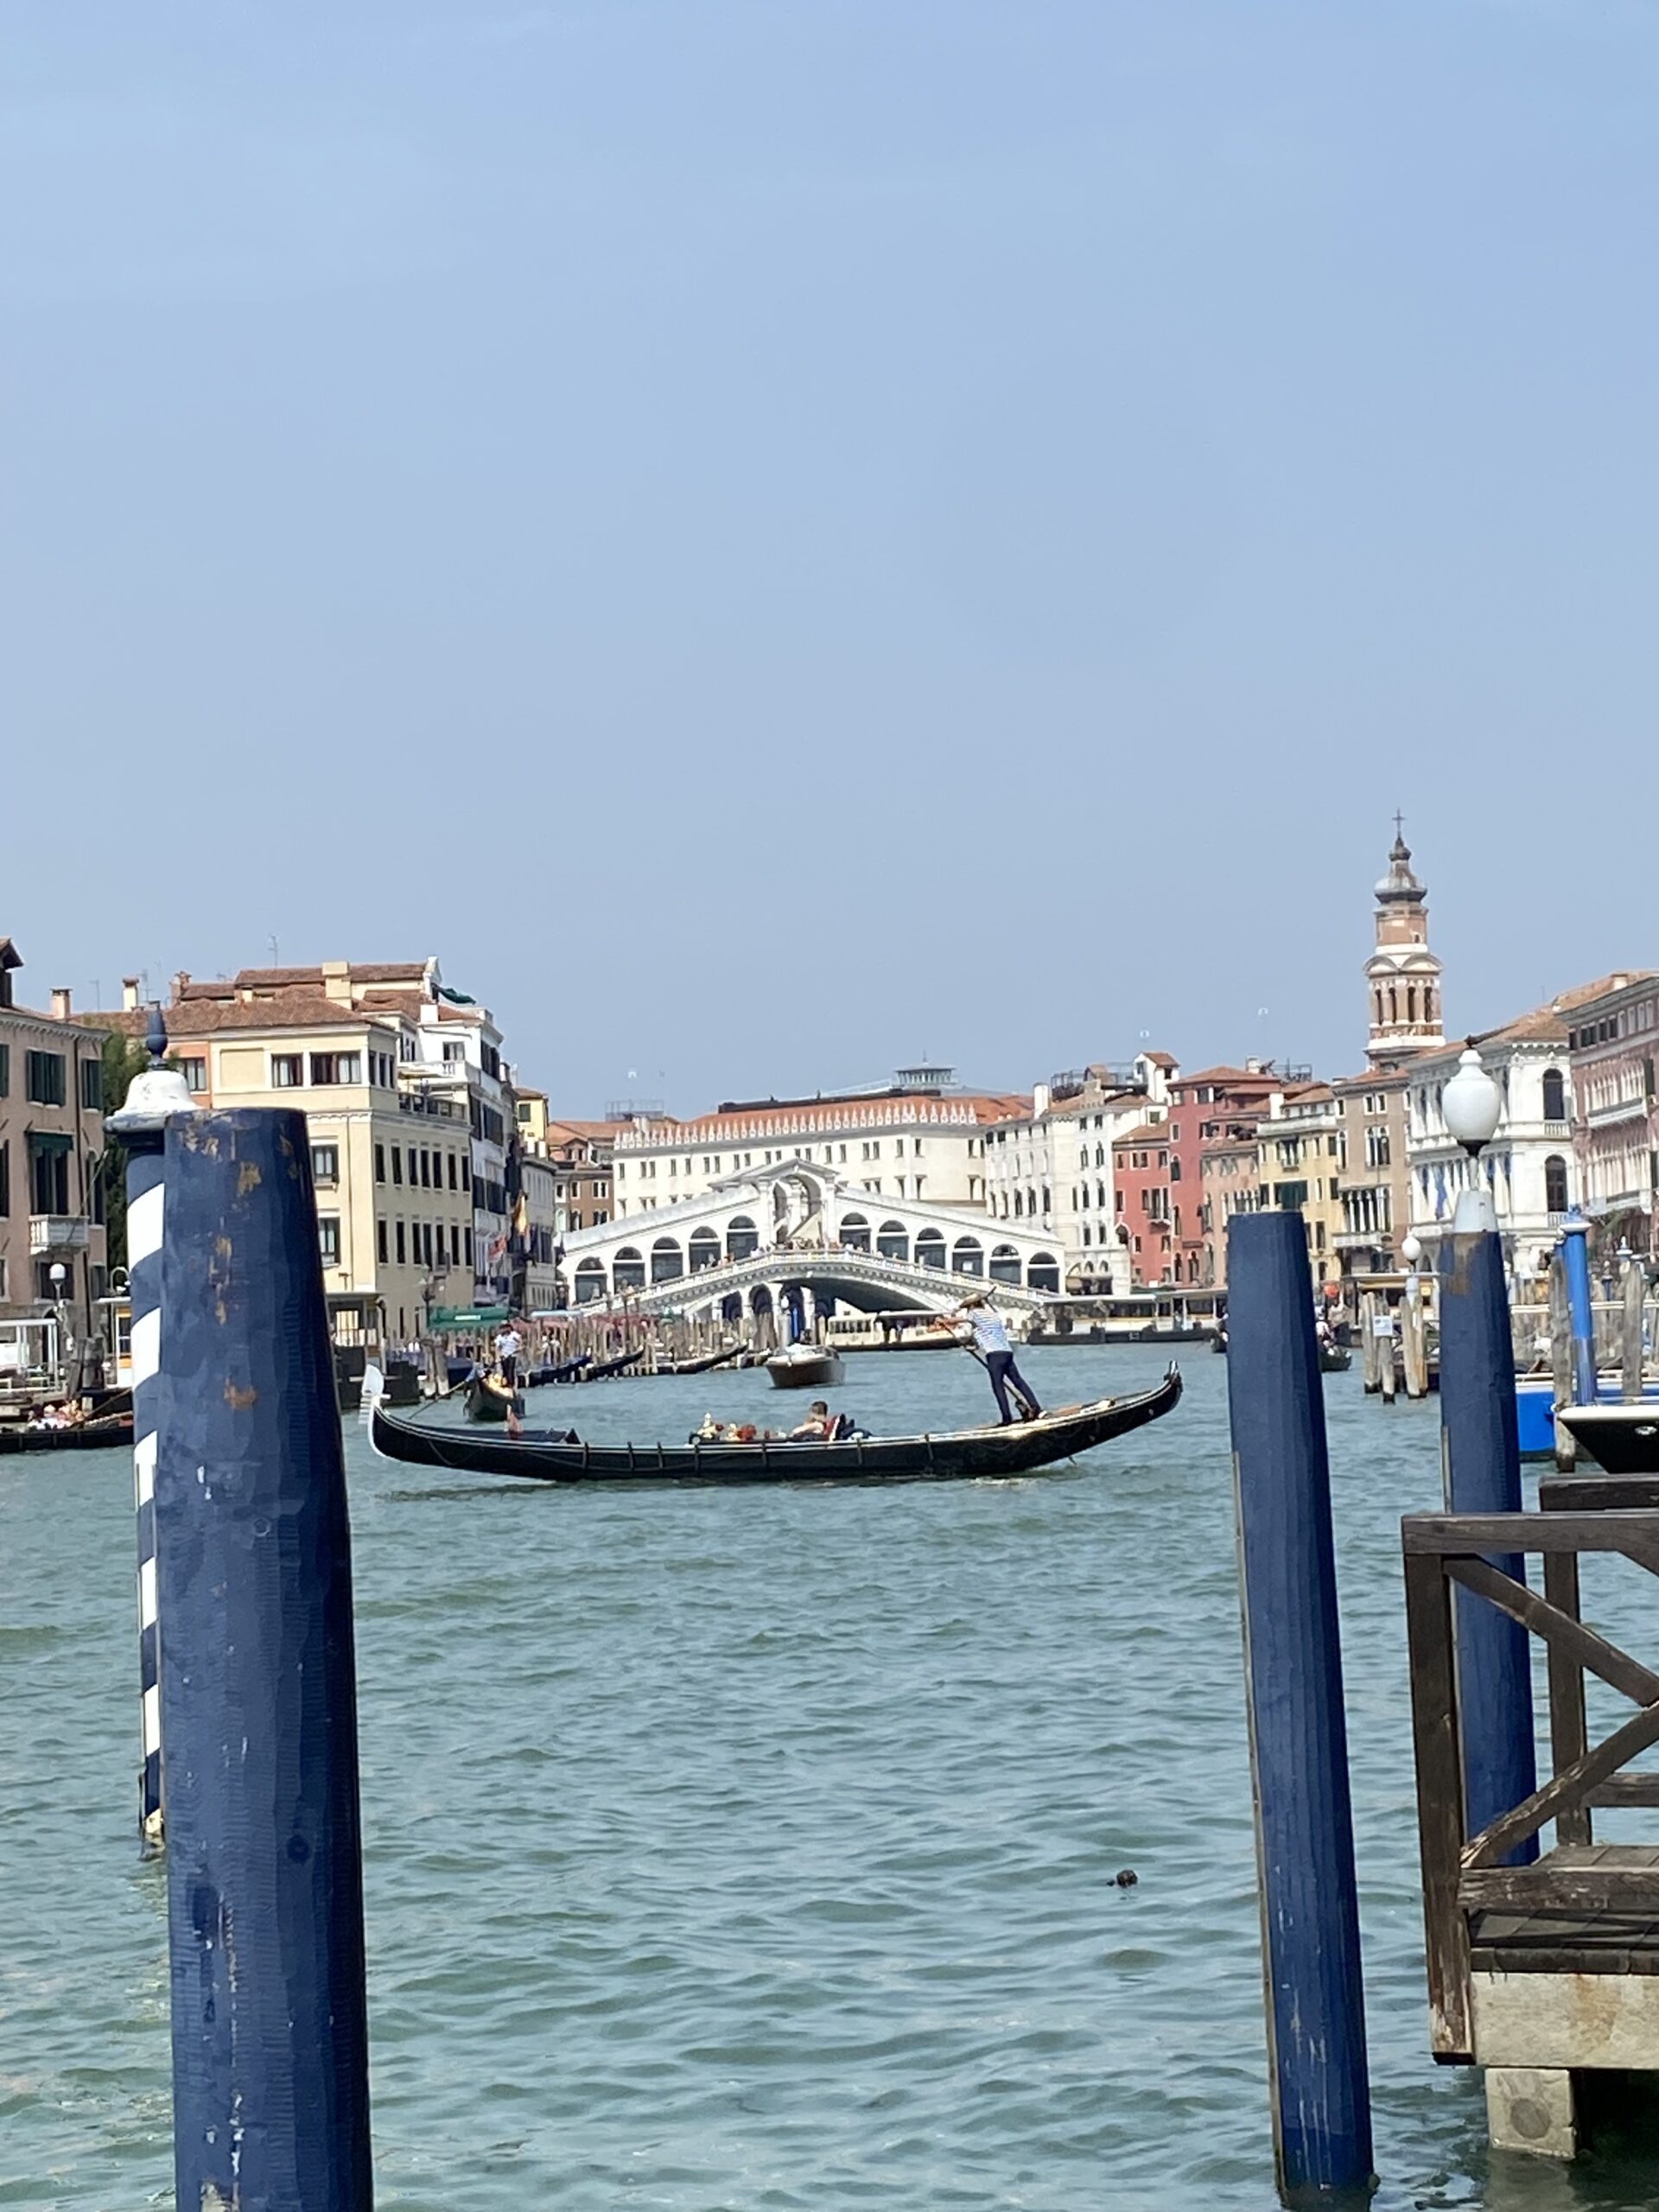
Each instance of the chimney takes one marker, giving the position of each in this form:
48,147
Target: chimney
179,983
1039,1098
128,994
60,1004
337,981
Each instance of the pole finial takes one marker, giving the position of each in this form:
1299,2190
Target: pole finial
155,1034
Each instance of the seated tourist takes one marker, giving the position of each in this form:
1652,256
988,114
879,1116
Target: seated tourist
819,1427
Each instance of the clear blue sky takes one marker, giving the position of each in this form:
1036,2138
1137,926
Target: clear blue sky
776,534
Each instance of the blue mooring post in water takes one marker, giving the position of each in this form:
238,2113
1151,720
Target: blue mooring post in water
270,2100
1480,1453
1319,2083
1575,1262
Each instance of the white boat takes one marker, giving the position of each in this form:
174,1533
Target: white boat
805,1367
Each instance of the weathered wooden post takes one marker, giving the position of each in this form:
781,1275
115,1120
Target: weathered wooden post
259,1691
1481,1459
1575,1267
1319,2083
1367,1342
1634,1290
157,1096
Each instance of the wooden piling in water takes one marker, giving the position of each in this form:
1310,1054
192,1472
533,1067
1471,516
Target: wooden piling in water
1560,1362
1635,1288
1413,1349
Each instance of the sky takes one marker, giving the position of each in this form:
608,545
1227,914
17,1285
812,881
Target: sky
779,536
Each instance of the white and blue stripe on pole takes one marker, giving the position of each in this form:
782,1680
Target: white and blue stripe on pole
155,1097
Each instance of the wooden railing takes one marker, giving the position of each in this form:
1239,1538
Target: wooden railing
1464,1875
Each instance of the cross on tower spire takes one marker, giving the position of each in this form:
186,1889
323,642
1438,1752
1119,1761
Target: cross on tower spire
1399,824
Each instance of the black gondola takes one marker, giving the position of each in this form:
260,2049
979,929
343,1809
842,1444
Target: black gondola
619,1366
487,1399
1019,1450
102,1433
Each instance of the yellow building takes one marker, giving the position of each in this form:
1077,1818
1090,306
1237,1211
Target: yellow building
51,1142
392,1160
1300,1159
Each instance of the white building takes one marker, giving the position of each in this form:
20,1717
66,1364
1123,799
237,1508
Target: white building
919,1139
1053,1164
1530,1168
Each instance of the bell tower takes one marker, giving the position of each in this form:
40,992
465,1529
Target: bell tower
1403,975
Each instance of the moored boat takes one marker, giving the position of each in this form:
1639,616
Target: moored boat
806,1367
1020,1449
1622,1437
102,1433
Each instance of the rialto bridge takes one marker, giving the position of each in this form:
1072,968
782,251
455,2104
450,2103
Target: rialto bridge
778,1232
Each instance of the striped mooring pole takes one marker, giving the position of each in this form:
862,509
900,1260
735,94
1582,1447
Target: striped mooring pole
156,1097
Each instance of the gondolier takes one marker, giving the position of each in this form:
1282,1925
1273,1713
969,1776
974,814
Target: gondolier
990,1336
507,1345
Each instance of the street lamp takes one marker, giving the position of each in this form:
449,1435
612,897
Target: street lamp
1472,1108
1411,1250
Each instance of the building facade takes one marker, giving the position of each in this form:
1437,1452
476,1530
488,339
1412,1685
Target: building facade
52,1247
1376,1187
1613,1052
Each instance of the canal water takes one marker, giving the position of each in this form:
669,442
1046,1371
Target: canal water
731,1852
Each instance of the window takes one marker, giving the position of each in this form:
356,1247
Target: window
5,1071
328,1238
336,1067
452,1171
453,1052
380,1168
380,1241
396,1163
398,1228
1555,1199
426,1169
43,1082
1554,1097
5,1184
287,1073
325,1163
194,1072
49,1174
469,1247
1376,1148
91,1083
466,1178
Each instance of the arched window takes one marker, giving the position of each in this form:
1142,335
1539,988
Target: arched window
930,1248
1018,1205
892,1240
667,1260
1555,1184
1043,1272
628,1270
1085,1235
1100,1155
968,1256
855,1231
705,1250
1005,1264
590,1281
742,1237
1554,1095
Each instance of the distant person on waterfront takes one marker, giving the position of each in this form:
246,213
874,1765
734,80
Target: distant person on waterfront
990,1334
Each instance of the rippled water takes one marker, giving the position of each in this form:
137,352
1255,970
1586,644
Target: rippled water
755,1850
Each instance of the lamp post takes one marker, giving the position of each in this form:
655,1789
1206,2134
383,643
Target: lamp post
58,1276
1473,1108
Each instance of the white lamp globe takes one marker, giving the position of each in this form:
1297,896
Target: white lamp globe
1411,1249
1471,1103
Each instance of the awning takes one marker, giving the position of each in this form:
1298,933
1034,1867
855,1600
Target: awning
51,1141
468,1316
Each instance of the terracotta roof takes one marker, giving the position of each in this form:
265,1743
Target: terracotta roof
1267,1077
584,1130
833,1112
1162,1059
285,979
207,1016
1541,1025
1147,1133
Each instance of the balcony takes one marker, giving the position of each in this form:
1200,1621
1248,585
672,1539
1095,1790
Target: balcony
1361,1240
57,1232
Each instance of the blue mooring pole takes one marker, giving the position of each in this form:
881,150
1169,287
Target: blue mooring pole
270,2100
1575,1262
1319,2083
1480,1453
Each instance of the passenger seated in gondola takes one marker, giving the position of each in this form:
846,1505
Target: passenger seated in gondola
820,1426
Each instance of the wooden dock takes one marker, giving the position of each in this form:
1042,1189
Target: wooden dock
1537,1972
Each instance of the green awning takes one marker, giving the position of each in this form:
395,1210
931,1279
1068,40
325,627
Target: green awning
51,1141
467,1316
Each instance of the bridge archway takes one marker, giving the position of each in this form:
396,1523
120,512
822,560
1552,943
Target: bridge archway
1043,1272
1005,1264
667,1260
930,1248
628,1270
742,1238
855,1232
892,1240
590,1281
968,1256
704,1248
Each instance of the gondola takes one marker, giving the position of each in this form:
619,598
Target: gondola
103,1434
560,1370
1019,1450
703,1364
618,1366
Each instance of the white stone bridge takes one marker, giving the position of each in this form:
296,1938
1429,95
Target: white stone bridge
768,1237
